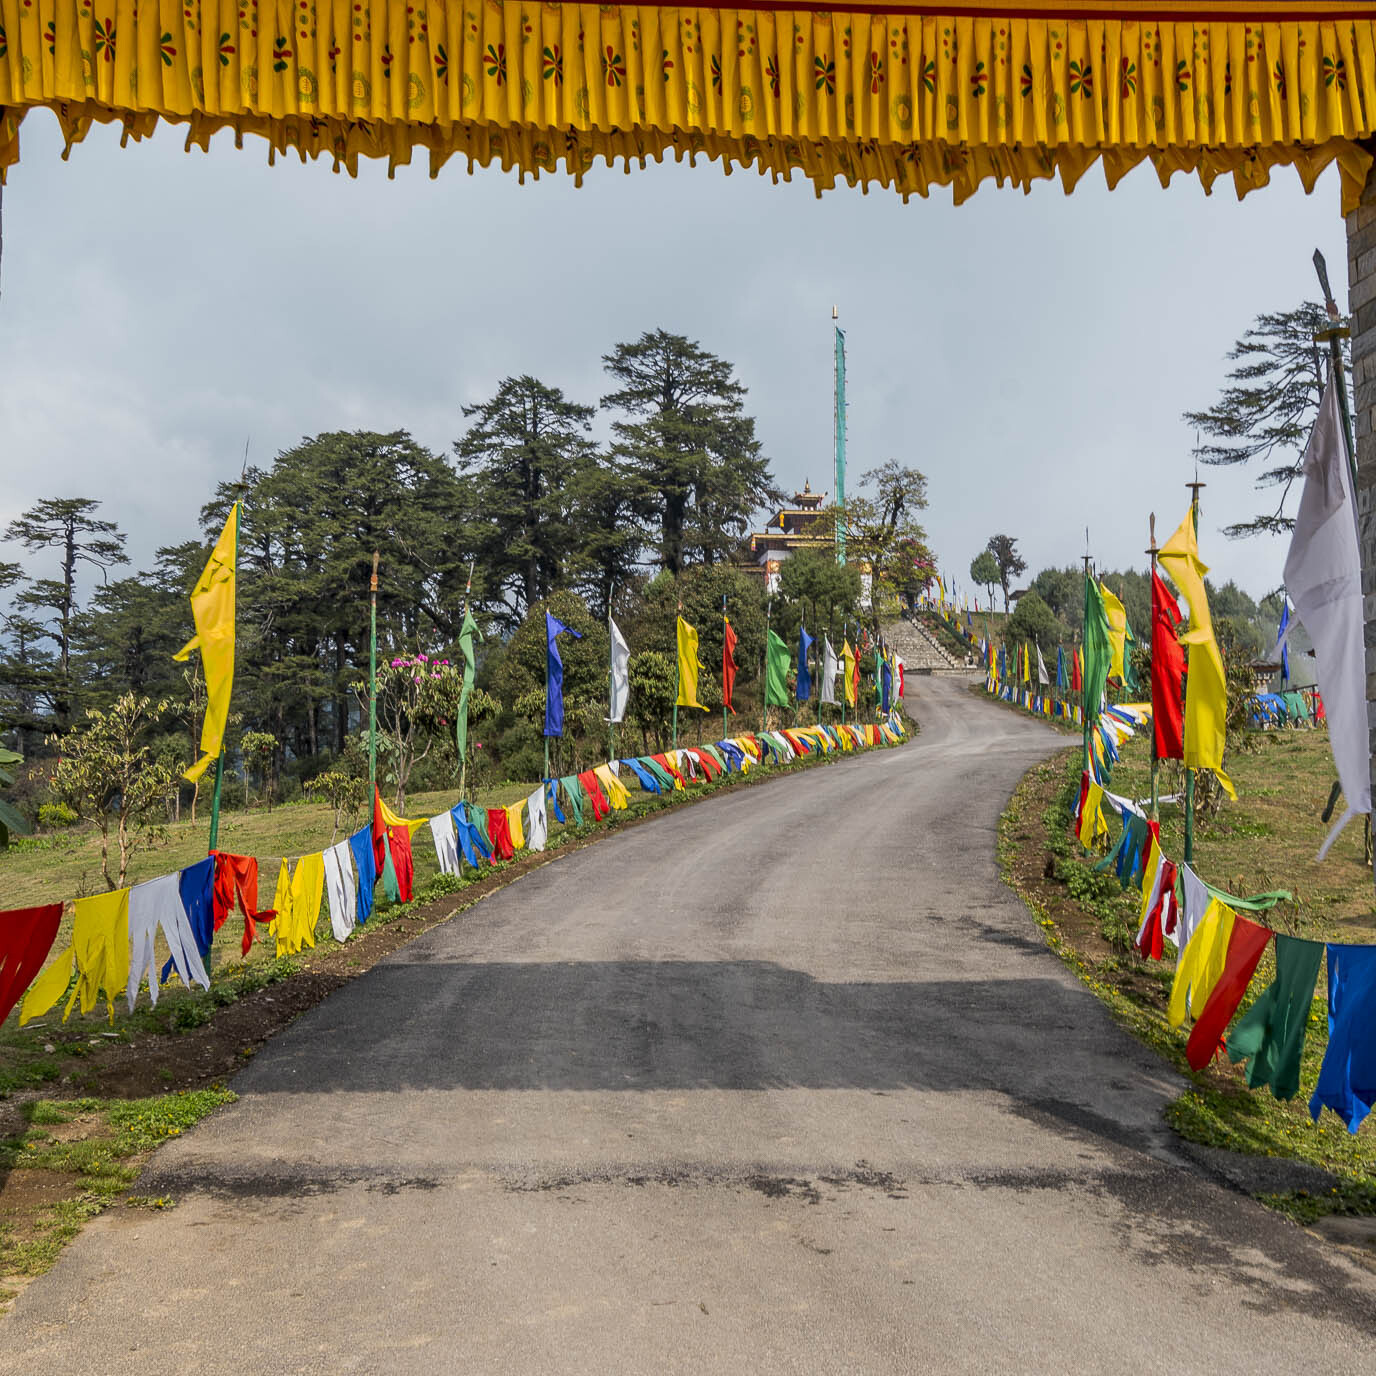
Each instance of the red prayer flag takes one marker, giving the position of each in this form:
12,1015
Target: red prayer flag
728,664
1167,673
600,806
26,937
1245,949
379,832
237,875
499,830
1077,681
399,839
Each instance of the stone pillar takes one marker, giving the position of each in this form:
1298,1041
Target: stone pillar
1361,279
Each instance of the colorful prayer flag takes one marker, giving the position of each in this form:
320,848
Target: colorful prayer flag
776,664
688,666
212,609
728,663
1206,685
554,675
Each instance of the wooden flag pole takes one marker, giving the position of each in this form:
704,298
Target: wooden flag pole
1189,773
1155,762
372,681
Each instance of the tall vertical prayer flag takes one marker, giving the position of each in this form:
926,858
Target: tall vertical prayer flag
851,670
620,690
1060,667
467,631
1167,673
1206,685
1097,653
212,609
827,692
1283,641
688,666
1323,577
1043,678
805,643
1117,634
1077,677
728,663
554,675
776,661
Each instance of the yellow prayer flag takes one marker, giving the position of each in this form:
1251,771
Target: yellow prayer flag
688,666
1117,633
1206,684
1201,963
212,608
848,659
514,823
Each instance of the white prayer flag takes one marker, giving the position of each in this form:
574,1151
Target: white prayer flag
1323,575
621,673
830,667
1042,676
539,821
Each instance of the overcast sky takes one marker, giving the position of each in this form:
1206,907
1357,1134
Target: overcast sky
1031,354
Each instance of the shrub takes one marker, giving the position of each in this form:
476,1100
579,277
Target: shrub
52,816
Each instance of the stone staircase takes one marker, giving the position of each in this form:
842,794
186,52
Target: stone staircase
921,652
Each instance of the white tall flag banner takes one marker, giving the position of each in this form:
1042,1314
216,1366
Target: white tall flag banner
1042,676
830,667
1323,575
621,673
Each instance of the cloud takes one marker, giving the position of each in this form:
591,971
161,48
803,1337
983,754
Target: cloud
1031,354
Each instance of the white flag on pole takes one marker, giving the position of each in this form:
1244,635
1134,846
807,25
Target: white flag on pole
1042,676
830,667
1323,575
621,673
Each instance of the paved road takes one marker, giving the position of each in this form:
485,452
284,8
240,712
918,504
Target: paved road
786,1082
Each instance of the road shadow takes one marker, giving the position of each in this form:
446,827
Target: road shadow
682,1025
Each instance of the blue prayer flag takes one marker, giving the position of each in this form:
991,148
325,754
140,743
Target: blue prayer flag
554,675
1284,649
805,643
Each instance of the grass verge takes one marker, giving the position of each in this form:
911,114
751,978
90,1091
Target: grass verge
74,1158
1090,923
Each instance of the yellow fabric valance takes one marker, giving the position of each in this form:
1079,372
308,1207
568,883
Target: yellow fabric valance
903,98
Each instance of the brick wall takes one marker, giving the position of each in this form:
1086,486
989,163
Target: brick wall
1361,276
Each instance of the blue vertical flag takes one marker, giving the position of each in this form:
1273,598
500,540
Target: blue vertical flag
1285,648
1003,662
554,675
805,643
1060,668
887,685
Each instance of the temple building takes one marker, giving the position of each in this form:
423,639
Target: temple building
800,526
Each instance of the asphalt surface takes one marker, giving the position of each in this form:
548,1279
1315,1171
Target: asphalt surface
785,1082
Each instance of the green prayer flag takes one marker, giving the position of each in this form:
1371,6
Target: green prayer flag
574,791
1270,1035
390,886
1097,652
777,662
466,633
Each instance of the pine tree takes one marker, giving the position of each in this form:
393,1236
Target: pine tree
68,525
1267,408
686,433
525,457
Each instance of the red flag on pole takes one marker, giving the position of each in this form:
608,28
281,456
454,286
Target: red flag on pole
728,664
1167,673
